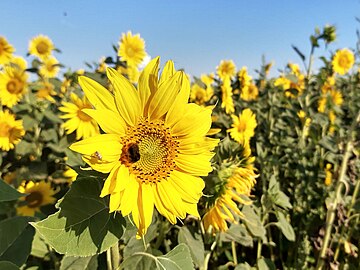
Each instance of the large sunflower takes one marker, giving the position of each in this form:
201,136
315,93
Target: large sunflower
226,68
41,46
13,85
155,149
50,67
132,49
6,50
39,194
11,130
343,61
84,125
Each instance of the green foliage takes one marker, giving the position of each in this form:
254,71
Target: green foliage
8,193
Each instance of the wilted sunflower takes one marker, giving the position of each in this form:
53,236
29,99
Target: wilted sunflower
50,67
132,49
41,46
155,148
84,125
39,194
13,85
243,126
226,96
226,68
11,130
6,50
343,60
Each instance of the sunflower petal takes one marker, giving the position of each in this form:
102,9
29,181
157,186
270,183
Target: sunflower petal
148,81
168,71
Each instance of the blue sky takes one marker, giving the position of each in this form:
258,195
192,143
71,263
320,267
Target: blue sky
195,34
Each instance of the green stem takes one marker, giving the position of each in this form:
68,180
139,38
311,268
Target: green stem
113,257
207,258
233,249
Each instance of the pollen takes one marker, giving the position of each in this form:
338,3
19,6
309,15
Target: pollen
149,151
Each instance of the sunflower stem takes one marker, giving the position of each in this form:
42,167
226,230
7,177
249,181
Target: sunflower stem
207,258
233,249
113,257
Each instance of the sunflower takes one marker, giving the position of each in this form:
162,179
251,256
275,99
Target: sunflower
155,149
41,46
11,131
84,124
343,61
70,174
46,91
328,174
226,96
335,98
6,50
251,92
19,63
244,78
226,68
234,189
132,49
50,67
13,85
198,94
243,126
131,72
39,194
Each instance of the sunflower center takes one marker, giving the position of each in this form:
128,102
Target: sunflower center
83,116
242,126
14,86
130,52
34,199
42,47
149,151
4,130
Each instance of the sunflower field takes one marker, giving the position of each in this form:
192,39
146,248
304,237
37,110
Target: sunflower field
131,163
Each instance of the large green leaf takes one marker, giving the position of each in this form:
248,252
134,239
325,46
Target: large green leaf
194,242
83,226
8,193
253,222
5,265
285,227
177,259
75,263
15,239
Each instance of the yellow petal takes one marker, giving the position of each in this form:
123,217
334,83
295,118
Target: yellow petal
129,198
161,207
98,95
168,71
189,187
114,202
109,121
146,205
198,165
164,97
171,199
127,98
122,179
110,182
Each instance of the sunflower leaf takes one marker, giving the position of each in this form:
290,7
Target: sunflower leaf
83,226
8,193
72,263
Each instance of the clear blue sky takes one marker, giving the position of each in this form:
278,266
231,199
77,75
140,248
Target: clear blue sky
195,34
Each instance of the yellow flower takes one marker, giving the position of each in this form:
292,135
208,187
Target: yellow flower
131,72
19,62
208,80
6,50
11,131
237,187
41,46
290,86
267,68
243,126
244,78
65,85
39,194
102,65
251,92
155,149
132,49
343,61
46,91
225,69
335,97
294,68
84,124
328,85
50,67
198,94
226,96
13,85
328,174
301,114
70,174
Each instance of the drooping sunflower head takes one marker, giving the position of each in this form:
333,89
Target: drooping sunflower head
84,124
343,61
50,67
13,85
243,126
39,194
41,46
226,68
6,50
11,131
226,96
132,49
155,148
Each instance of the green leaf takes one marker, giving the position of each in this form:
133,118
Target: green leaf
5,265
75,263
265,264
39,248
8,193
253,222
243,266
194,242
239,234
15,239
177,259
285,227
83,226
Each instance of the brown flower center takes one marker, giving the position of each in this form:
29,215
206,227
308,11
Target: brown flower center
42,47
83,116
14,86
34,199
4,129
